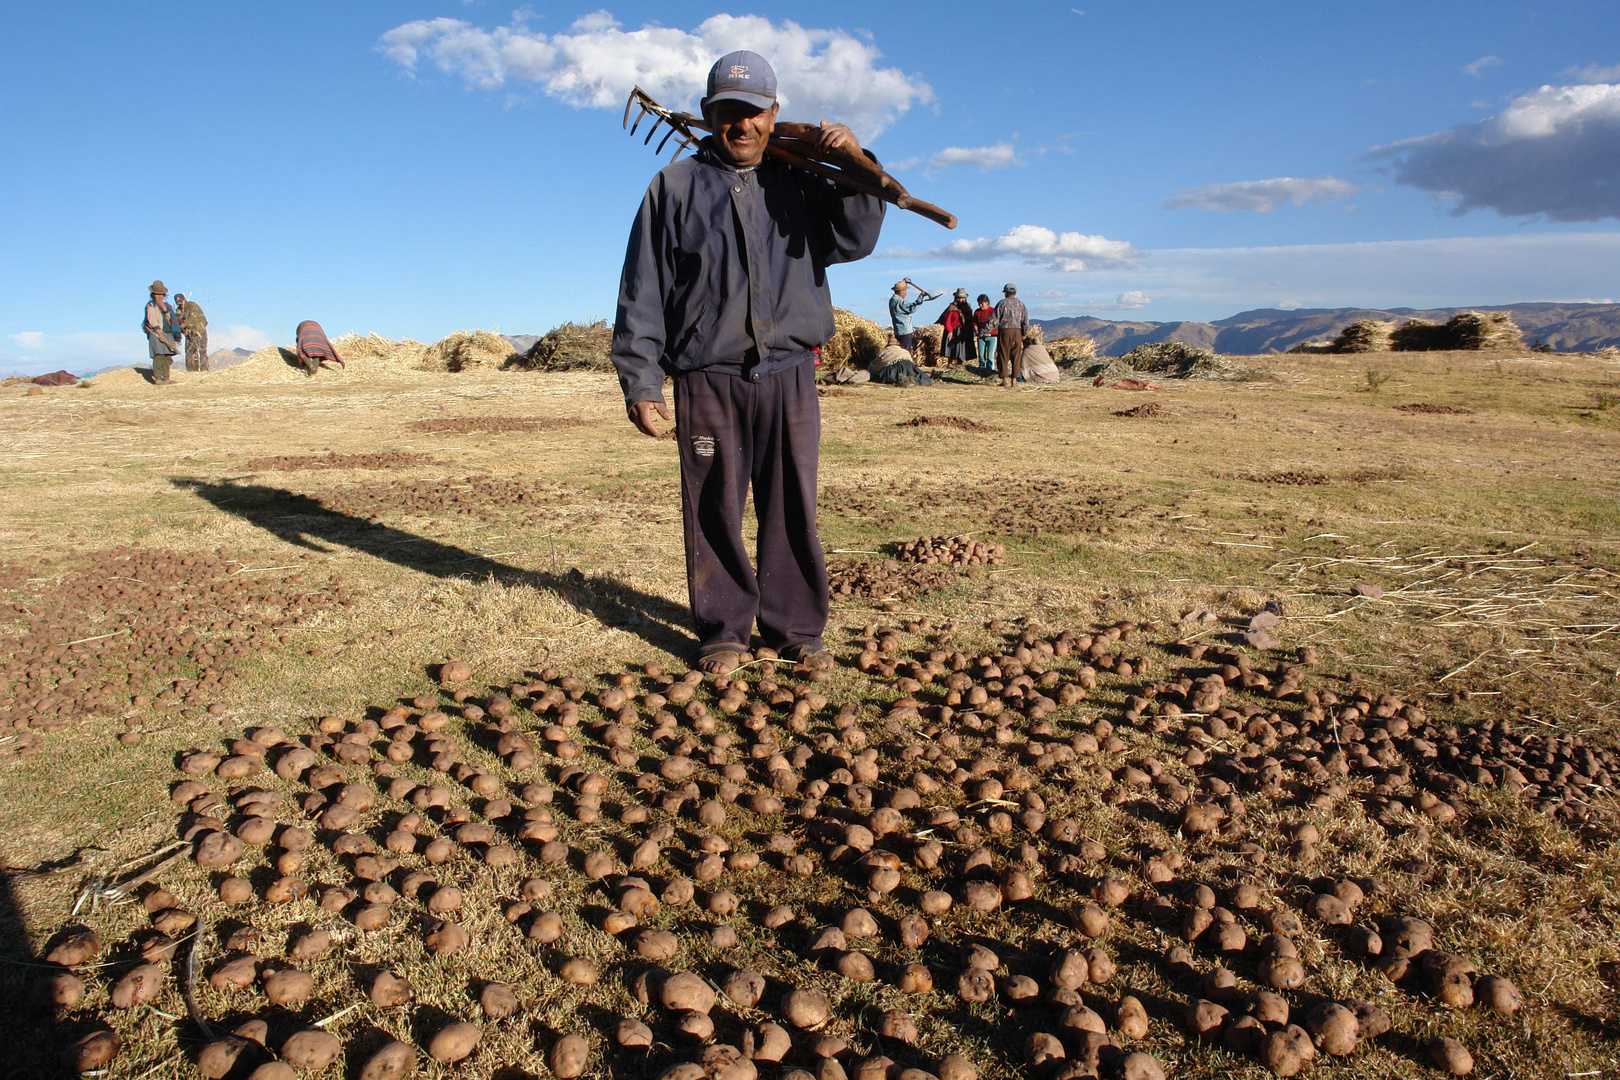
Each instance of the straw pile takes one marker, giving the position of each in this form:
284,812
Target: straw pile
926,345
1483,330
374,350
463,351
1418,335
856,341
1364,335
570,347
1066,351
1177,360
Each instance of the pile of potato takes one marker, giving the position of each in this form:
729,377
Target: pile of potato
950,551
132,629
762,872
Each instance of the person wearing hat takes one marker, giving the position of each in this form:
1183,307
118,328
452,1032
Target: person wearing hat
194,325
158,325
724,288
1012,323
900,310
956,344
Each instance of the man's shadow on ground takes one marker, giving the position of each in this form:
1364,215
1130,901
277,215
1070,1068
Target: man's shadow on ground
306,522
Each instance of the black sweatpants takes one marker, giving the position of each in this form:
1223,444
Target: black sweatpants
734,431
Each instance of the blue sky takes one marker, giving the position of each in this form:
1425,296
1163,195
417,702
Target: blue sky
413,168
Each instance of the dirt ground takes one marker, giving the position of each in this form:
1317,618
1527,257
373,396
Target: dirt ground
1446,531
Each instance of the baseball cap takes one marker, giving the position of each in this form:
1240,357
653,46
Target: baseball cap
742,76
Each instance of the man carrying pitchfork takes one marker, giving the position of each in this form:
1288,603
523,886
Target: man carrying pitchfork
725,289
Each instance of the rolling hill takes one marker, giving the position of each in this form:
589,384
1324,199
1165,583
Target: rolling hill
1564,327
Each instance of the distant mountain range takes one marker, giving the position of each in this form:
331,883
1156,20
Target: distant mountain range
1565,327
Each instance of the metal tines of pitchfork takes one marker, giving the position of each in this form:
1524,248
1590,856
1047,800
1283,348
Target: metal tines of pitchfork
680,124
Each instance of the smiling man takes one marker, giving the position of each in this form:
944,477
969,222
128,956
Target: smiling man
725,289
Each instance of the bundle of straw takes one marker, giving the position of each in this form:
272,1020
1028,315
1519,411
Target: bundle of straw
855,341
926,344
1364,335
1419,335
465,350
1483,330
1071,350
570,347
1176,359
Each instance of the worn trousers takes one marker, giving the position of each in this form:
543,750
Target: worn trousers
160,367
1010,354
987,353
735,432
197,351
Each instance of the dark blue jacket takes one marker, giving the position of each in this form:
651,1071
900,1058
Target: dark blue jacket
728,268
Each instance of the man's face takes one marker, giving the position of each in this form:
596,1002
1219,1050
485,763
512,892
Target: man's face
901,291
742,131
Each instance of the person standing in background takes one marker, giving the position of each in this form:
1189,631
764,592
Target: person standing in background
1012,323
900,310
984,329
158,324
956,341
194,325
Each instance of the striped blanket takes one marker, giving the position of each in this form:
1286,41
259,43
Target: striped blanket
313,346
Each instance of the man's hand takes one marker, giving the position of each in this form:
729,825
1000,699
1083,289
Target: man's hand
641,415
836,137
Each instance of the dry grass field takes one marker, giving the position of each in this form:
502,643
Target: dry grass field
1439,540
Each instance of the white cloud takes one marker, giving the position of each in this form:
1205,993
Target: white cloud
237,337
1479,67
1595,73
1553,151
1068,252
1046,294
822,74
986,158
1132,299
1261,196
29,339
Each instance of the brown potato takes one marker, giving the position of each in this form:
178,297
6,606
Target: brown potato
686,992
273,1070
633,1034
1450,1056
1498,994
393,1061
311,1049
454,1042
58,991
569,1058
75,949
1288,1051
289,987
916,979
138,986
389,991
744,987
447,939
1131,1018
1333,1028
578,971
1140,1066
498,1001
770,1043
90,1052
806,1010
219,1057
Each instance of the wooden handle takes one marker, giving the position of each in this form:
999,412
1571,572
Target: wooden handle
864,184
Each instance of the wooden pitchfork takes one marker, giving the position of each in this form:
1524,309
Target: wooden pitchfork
791,143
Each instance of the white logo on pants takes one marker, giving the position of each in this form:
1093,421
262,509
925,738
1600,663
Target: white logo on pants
703,445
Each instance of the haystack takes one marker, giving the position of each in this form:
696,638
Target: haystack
1177,360
571,346
465,350
375,351
856,341
1364,335
1067,351
926,345
1483,330
1418,335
